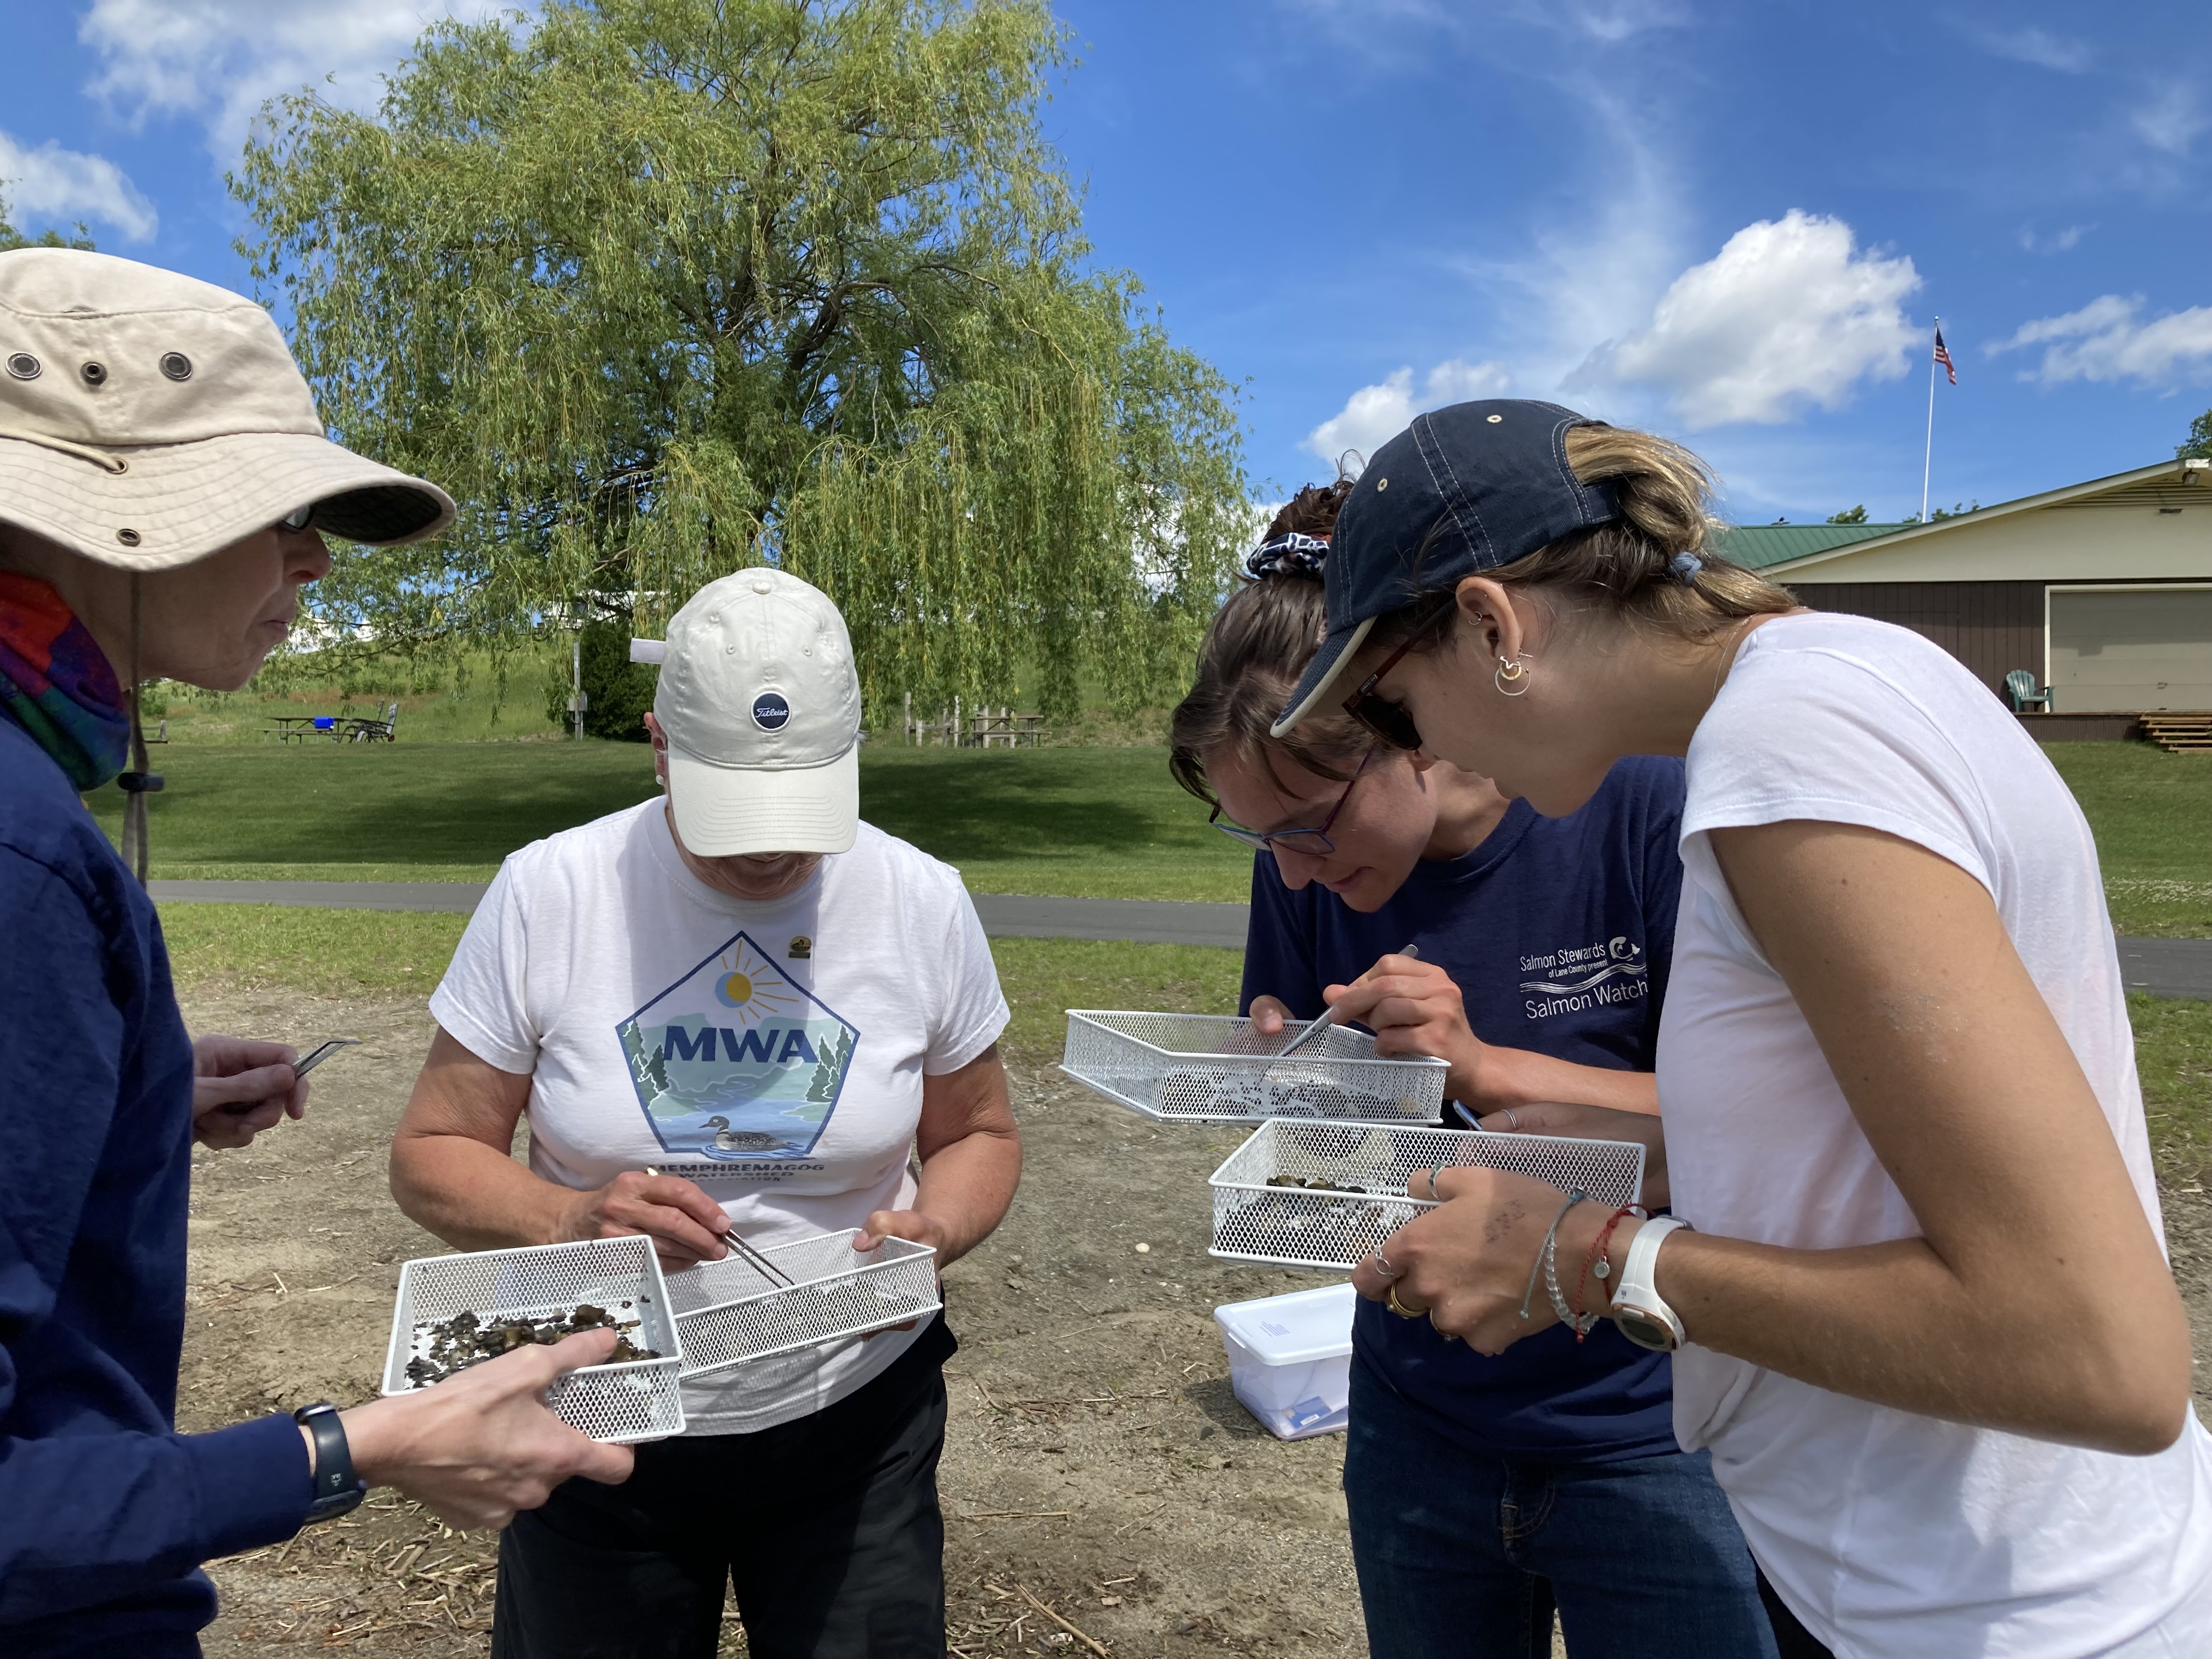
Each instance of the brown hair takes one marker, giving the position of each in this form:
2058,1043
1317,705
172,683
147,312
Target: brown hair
1255,650
1627,569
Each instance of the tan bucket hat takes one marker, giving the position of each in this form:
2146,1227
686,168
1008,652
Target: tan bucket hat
148,419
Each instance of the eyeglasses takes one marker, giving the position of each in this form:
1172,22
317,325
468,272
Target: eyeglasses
1314,844
1386,719
298,519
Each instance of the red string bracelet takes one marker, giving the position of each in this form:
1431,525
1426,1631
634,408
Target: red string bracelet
1597,1254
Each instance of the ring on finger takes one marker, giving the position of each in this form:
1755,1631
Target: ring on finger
1390,1301
1385,1268
1433,1193
1512,1120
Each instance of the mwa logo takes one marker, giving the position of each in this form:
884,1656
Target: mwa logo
735,1062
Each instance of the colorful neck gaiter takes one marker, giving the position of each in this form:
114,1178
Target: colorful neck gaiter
56,681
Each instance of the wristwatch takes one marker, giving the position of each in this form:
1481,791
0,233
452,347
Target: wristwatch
338,1490
1638,1310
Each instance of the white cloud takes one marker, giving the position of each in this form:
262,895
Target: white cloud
2171,119
221,60
51,183
2107,340
2031,45
1374,415
2061,242
1624,20
1788,314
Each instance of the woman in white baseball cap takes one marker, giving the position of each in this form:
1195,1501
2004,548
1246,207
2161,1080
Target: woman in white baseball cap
741,1007
163,479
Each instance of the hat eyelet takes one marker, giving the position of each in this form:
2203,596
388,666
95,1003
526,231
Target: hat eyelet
23,365
128,538
1494,419
94,373
1381,484
176,366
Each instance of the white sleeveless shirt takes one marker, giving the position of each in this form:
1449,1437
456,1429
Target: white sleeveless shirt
1887,1533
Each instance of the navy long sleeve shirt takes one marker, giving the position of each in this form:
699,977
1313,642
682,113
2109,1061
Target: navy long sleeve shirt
1559,933
106,1512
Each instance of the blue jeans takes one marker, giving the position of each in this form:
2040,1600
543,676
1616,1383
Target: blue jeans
1462,1556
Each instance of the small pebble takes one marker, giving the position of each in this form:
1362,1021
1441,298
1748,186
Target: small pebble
1143,1249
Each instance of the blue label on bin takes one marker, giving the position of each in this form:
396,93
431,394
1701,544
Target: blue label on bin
1307,1412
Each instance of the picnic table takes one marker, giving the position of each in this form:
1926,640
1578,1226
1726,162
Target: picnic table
287,727
338,728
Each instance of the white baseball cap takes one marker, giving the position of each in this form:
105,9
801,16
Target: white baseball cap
761,705
147,420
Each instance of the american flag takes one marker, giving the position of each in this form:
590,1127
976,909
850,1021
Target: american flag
1943,356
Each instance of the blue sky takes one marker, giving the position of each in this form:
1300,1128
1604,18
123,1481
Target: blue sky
1729,222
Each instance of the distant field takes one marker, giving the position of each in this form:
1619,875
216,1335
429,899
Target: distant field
1089,823
2151,812
1096,823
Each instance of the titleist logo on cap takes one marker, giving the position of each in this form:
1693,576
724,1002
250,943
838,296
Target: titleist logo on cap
770,711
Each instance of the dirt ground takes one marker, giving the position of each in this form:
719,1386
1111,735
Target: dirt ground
1105,1494
1096,1464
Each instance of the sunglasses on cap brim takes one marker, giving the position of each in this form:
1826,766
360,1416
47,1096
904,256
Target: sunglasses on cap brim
1389,720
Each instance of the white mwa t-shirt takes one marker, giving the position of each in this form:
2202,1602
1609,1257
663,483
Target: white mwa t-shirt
773,1052
1887,1533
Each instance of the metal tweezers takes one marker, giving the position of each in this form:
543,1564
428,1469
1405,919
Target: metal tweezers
729,1237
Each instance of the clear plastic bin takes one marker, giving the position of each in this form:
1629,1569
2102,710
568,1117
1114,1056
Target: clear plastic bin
1290,1359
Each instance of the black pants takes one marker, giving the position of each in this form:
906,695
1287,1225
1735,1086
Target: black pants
827,1528
1791,1638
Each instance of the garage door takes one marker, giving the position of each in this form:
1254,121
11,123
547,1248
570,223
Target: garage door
2134,649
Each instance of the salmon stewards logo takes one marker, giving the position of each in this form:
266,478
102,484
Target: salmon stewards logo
735,1062
1577,977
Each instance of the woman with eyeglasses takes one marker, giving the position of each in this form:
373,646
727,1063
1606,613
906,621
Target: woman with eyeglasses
1915,1288
1484,1491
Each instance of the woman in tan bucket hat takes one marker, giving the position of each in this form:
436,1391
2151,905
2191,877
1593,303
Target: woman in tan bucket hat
164,479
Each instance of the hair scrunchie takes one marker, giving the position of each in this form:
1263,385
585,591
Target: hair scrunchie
1293,554
1684,566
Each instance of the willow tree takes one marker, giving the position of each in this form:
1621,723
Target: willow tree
659,288
12,238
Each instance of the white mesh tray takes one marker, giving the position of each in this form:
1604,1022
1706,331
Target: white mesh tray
1213,1069
636,1401
1302,1227
730,1312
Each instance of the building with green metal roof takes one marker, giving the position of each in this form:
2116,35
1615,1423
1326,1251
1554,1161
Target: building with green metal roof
2101,590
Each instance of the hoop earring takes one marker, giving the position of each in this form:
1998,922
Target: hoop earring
1510,671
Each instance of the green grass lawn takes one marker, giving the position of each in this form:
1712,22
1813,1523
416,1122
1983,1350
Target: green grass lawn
1101,822
339,953
2152,815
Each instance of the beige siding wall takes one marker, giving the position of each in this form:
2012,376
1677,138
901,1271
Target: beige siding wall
2042,545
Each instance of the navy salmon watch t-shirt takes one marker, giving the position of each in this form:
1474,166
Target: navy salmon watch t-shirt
1557,932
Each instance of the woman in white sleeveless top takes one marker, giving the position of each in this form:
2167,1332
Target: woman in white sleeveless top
1923,1315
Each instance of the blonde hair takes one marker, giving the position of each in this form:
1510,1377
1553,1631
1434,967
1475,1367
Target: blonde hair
1628,569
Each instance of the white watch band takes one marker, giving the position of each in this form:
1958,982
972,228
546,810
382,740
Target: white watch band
1649,1322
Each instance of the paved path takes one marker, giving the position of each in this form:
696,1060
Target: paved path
2163,967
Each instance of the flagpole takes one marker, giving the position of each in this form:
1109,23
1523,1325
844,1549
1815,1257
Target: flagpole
1927,459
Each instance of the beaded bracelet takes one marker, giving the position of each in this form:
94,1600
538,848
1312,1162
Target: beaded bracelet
1542,1264
1581,1324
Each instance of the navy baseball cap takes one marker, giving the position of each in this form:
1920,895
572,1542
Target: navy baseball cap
1463,489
